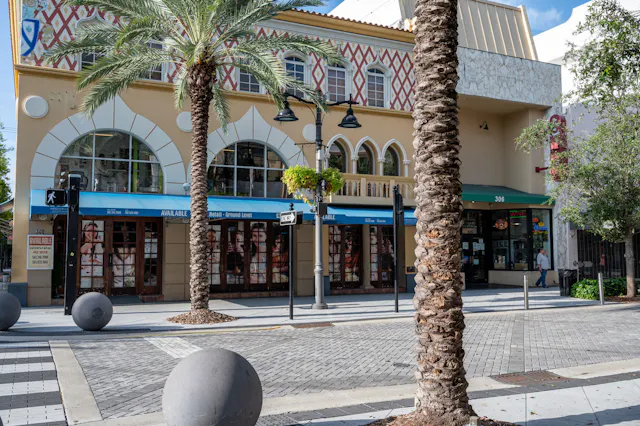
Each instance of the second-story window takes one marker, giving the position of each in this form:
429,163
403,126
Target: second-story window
376,88
248,82
155,73
337,84
295,68
88,59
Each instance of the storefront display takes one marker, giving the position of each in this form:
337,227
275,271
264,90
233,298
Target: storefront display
345,257
253,256
382,255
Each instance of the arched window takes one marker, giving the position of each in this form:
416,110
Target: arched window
391,163
296,68
365,163
376,88
338,157
111,161
247,169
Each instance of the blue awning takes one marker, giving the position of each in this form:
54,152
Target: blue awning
178,206
338,215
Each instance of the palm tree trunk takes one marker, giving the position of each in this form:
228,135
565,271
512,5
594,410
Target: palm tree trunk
201,78
442,395
630,259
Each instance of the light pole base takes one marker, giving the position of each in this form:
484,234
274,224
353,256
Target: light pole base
320,306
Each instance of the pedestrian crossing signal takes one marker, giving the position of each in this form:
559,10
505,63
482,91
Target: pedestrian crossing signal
56,197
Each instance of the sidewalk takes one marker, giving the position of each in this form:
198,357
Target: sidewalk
269,312
616,403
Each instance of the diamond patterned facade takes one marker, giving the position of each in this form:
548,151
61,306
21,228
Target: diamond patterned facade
59,22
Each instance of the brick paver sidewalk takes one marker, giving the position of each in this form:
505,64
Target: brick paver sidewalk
127,376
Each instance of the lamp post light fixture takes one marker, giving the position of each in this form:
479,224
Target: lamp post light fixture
348,122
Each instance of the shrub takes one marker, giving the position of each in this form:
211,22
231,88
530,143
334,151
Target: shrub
588,289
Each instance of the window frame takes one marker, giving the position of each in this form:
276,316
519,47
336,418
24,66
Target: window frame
297,59
163,66
378,72
239,74
347,82
130,161
265,169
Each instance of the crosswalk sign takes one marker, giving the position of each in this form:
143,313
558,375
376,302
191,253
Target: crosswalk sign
56,197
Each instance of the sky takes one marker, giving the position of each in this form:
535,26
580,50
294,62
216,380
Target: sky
543,14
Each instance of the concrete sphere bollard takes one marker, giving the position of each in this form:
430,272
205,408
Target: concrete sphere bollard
9,311
212,387
92,311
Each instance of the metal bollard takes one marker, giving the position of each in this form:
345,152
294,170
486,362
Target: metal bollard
526,293
601,288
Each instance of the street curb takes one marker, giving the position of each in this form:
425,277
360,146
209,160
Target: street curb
599,370
77,398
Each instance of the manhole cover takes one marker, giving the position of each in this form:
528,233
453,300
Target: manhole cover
313,325
528,378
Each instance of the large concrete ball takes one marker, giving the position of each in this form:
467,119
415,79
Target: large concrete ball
9,310
212,387
92,311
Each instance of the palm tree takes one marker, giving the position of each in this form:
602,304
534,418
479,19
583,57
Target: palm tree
442,396
199,37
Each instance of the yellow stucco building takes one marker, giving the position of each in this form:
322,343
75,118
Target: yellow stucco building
133,159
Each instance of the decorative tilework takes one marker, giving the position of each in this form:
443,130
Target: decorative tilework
481,73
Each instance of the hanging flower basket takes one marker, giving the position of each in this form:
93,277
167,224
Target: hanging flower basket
302,182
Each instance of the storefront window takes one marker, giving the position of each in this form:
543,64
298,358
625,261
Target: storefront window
110,161
247,169
382,256
518,239
345,257
500,239
92,256
254,256
541,227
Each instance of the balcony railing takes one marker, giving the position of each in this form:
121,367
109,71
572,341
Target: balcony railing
376,190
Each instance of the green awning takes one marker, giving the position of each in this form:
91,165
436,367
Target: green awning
500,194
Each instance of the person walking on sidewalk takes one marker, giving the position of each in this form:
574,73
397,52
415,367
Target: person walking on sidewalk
543,266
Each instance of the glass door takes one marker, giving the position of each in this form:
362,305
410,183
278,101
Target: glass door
123,255
473,259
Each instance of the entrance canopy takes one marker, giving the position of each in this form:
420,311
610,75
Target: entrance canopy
233,208
500,194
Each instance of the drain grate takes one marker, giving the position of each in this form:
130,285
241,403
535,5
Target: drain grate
313,325
529,378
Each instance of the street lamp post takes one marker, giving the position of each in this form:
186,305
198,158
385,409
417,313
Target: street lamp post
348,122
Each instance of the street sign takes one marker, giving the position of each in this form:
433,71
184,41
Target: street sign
56,197
290,218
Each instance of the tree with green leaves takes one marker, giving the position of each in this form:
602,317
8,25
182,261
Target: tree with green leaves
200,37
596,181
5,188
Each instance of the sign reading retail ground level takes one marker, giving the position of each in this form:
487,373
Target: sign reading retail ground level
56,197
290,218
40,252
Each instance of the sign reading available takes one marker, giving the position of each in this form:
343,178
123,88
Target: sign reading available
39,252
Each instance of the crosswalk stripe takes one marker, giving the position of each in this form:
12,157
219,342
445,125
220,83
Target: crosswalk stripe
33,415
24,355
25,388
26,368
176,347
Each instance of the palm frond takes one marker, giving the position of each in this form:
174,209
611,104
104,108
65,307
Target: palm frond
180,87
120,62
220,104
128,8
142,30
118,78
297,43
